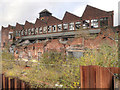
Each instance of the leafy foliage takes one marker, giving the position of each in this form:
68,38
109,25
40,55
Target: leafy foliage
54,69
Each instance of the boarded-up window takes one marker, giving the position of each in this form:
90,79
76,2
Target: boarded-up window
104,22
54,28
94,23
71,26
49,28
77,25
40,30
86,24
65,27
59,26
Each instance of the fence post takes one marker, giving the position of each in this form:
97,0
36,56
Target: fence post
22,85
3,80
81,77
9,83
15,83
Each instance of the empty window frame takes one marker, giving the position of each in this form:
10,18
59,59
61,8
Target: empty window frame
45,29
19,33
71,26
36,30
54,28
26,32
86,24
104,22
22,32
94,23
40,30
77,25
59,27
32,31
29,31
49,28
10,36
65,27
16,33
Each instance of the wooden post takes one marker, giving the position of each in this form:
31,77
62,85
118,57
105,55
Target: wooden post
15,83
81,77
3,80
9,83
22,85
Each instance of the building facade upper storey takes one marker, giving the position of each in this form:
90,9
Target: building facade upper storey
47,26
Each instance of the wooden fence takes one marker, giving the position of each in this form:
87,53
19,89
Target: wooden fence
98,77
11,83
91,77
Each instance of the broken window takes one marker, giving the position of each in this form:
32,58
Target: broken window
25,32
36,30
86,24
77,25
94,23
104,22
71,26
45,29
65,27
59,27
19,33
40,30
49,28
32,31
22,32
29,31
16,33
10,36
54,28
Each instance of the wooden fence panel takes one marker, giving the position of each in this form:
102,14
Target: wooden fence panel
97,77
90,77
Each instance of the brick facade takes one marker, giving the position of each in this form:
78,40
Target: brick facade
46,28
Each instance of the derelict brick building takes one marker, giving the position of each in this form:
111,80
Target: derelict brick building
51,33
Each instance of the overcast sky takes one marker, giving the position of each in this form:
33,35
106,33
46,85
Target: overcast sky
12,11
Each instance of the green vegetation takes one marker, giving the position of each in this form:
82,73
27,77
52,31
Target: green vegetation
56,70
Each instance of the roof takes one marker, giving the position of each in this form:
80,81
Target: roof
69,17
53,20
92,13
19,26
39,23
45,10
28,25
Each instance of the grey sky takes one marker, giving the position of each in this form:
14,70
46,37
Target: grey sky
12,11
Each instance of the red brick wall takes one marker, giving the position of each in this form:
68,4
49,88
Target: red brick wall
54,45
